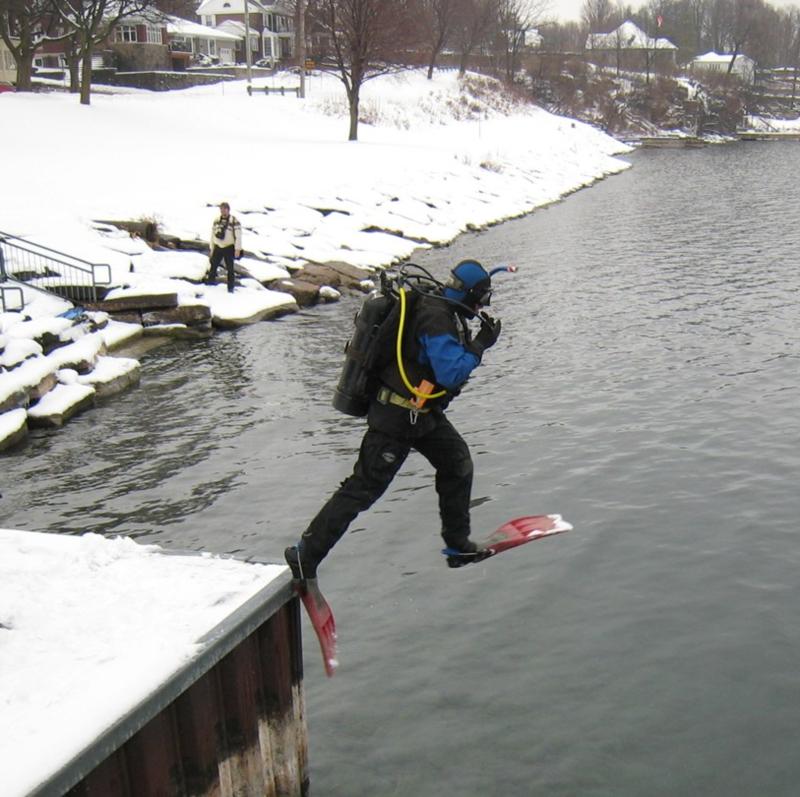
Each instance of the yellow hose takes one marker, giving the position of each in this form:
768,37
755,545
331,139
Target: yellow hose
403,376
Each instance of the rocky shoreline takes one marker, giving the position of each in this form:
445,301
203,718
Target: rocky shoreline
64,361
319,220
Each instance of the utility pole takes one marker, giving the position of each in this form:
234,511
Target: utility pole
300,41
248,56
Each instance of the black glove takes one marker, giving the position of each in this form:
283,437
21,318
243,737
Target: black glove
488,335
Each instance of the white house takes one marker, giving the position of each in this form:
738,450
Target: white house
271,24
8,66
188,40
629,47
744,67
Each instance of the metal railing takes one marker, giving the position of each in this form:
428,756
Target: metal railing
50,270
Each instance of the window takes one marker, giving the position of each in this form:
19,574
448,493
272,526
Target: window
153,35
125,33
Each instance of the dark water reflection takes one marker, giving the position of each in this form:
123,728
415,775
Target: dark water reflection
646,386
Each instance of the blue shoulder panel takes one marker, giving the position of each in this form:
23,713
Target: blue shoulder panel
451,362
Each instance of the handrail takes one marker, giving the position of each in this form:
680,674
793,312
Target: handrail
48,269
4,236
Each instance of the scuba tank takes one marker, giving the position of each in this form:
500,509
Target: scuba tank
377,327
367,349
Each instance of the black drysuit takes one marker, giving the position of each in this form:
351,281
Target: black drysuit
435,347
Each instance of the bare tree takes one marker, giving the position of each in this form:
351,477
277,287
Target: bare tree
300,42
438,21
24,25
597,15
91,22
794,53
741,21
515,18
367,38
473,27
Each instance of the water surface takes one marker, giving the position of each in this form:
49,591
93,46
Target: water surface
645,386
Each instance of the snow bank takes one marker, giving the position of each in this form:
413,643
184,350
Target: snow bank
89,627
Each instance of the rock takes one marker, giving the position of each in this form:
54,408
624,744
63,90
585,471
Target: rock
260,315
180,331
337,275
128,317
59,405
112,375
41,389
138,302
305,293
353,276
13,428
188,314
80,355
14,400
32,376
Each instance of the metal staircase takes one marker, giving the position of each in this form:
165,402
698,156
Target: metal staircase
48,270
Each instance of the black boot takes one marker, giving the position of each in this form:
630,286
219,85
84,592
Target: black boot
467,553
302,570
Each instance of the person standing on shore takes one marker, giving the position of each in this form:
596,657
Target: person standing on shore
225,245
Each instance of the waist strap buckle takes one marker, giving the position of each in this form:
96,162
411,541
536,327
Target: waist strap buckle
388,396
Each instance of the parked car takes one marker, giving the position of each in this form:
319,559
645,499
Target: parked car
6,87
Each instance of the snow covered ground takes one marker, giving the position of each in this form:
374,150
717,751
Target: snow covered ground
89,627
438,158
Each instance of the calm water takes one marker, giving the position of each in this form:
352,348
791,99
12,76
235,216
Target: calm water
646,386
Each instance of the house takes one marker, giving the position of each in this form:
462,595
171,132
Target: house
8,66
137,44
743,67
140,44
271,25
629,47
189,42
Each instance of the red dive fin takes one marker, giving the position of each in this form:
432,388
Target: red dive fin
322,620
523,529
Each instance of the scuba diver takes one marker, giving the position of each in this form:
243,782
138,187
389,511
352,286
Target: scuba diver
434,355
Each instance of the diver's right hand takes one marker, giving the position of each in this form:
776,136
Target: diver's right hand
488,335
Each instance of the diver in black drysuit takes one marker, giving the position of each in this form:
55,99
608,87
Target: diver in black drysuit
438,347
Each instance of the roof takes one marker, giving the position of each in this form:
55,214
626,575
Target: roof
627,37
209,7
718,58
183,27
236,29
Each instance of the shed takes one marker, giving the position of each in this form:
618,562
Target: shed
743,67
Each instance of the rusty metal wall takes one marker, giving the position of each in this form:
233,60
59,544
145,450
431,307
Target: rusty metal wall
238,731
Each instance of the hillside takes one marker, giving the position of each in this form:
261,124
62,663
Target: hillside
630,105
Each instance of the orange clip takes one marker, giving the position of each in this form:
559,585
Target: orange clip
425,387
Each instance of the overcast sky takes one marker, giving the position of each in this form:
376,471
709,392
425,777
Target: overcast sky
566,10
570,10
